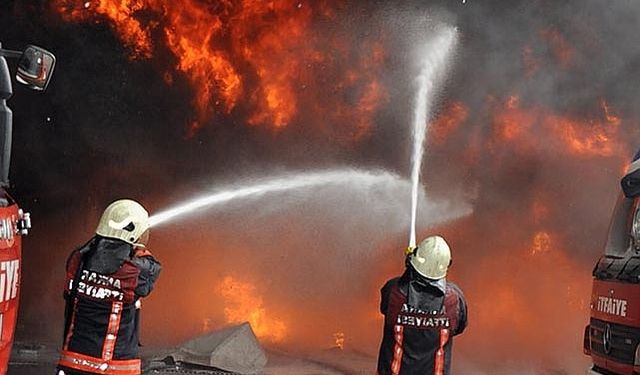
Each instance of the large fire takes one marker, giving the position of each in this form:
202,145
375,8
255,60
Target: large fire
264,57
525,285
267,64
583,137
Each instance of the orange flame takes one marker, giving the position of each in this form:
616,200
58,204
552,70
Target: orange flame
511,122
132,32
242,304
541,243
274,52
595,138
586,137
339,339
265,56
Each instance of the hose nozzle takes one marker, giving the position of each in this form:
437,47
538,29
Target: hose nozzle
409,250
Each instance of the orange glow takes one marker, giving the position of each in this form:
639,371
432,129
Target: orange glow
560,48
243,304
448,122
511,122
596,137
612,119
541,243
191,31
264,57
276,51
374,93
539,211
266,61
339,339
554,49
530,61
207,325
122,12
531,268
584,137
534,299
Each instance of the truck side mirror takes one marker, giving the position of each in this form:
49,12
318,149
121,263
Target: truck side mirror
35,67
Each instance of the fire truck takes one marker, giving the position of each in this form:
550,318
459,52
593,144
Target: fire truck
34,68
612,338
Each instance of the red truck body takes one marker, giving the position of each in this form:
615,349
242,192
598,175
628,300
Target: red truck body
612,337
10,276
614,327
34,69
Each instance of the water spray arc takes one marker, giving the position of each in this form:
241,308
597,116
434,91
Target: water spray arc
340,177
436,55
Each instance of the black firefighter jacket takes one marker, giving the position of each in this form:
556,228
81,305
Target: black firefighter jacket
104,280
420,319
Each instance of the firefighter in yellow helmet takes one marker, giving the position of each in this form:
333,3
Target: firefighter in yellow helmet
105,280
423,311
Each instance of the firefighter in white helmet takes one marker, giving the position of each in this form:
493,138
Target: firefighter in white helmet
423,311
105,279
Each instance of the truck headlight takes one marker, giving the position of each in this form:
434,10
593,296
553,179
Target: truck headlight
586,347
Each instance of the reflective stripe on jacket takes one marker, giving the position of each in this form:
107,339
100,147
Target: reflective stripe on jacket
101,319
417,342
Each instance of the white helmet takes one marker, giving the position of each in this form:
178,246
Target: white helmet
431,258
124,219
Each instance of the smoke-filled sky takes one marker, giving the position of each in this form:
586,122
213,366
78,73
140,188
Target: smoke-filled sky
531,130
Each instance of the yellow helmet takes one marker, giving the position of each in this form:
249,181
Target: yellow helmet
124,219
431,258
